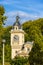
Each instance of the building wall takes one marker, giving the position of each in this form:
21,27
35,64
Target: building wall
16,46
21,38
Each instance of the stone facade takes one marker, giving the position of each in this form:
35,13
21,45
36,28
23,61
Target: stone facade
18,46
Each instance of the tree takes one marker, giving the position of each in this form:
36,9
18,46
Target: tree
19,61
35,56
34,31
7,44
2,19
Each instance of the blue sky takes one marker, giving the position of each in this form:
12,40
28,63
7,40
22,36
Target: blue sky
26,9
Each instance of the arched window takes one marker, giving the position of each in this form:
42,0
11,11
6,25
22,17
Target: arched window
15,51
16,28
28,49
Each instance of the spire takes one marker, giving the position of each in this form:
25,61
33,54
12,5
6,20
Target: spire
17,18
17,23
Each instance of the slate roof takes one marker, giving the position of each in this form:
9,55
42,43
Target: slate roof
17,23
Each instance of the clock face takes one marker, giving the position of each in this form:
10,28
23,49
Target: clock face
16,38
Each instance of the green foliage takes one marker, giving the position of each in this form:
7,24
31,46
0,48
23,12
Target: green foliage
6,36
34,31
2,19
36,55
7,44
7,63
7,53
19,61
0,64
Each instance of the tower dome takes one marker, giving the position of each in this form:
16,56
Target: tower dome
17,23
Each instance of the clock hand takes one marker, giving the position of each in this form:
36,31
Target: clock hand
15,38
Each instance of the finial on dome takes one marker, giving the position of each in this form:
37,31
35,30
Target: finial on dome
17,22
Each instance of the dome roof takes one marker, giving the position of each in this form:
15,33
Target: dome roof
17,23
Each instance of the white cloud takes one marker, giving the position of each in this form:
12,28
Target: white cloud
12,14
23,16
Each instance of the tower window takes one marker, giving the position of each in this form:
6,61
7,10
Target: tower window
28,49
16,28
15,51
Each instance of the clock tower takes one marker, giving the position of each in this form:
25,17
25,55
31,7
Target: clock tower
17,38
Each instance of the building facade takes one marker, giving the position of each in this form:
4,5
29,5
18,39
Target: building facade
18,46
